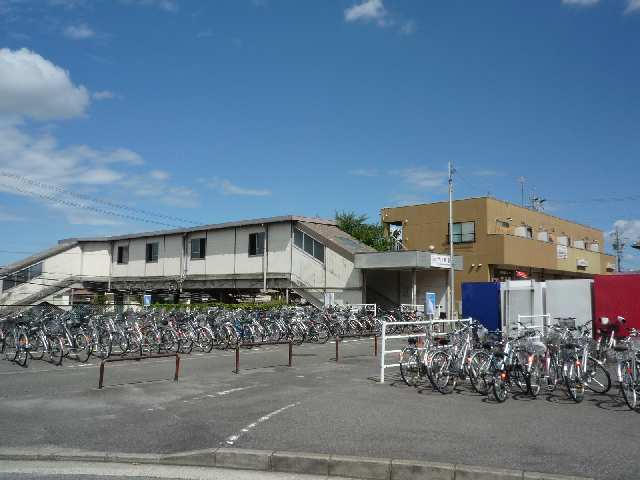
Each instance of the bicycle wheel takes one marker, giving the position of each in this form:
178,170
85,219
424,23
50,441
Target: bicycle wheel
519,378
56,350
82,347
36,352
409,368
554,375
534,377
628,387
500,386
478,367
10,347
322,332
575,387
22,354
204,340
442,377
105,345
598,378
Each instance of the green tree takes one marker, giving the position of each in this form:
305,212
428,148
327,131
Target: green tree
356,225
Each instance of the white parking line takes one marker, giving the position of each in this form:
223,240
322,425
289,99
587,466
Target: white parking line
234,438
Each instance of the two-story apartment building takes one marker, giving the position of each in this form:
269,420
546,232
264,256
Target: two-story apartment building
499,240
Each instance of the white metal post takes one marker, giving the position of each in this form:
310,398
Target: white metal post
383,343
452,288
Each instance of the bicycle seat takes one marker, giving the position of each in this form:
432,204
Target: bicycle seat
413,340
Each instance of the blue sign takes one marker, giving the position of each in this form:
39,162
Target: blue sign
146,300
430,303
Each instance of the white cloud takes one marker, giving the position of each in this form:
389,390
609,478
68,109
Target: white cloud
365,172
166,5
79,32
630,229
31,86
104,95
226,187
581,3
421,177
39,157
68,4
408,27
367,11
486,172
632,6
7,216
159,174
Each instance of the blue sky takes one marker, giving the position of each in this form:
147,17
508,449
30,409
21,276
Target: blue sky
218,110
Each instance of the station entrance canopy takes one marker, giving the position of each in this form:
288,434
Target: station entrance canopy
406,260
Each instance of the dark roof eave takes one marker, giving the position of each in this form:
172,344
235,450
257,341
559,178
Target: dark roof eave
215,226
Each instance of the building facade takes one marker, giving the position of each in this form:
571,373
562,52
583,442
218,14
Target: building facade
497,240
309,257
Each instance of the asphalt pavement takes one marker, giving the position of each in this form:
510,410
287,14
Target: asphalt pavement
317,406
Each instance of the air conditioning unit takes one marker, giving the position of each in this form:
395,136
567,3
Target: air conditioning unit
578,244
582,263
543,236
594,247
520,232
563,240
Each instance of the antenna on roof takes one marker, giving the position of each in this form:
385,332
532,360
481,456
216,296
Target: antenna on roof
522,181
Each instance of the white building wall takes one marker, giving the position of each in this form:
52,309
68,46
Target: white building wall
220,252
279,244
196,266
307,271
137,249
245,263
120,270
95,259
153,269
172,258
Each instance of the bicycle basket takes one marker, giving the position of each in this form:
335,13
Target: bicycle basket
536,347
567,323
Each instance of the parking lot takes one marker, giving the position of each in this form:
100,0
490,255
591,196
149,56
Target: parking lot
317,405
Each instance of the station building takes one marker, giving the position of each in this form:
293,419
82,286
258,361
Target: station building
310,258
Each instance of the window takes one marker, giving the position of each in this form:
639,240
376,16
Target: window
22,276
308,244
256,243
464,232
198,248
123,255
318,251
502,224
298,238
152,252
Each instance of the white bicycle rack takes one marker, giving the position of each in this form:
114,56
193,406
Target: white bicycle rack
408,307
386,337
531,322
370,307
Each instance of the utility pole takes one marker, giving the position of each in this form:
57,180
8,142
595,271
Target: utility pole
452,292
618,246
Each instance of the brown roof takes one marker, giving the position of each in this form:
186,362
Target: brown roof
337,239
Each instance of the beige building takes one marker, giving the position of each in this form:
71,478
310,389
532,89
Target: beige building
498,240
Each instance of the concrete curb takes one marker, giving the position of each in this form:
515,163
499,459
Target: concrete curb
291,462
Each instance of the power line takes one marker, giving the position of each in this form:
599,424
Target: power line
72,204
118,206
